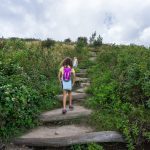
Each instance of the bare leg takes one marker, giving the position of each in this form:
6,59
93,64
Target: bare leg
70,98
64,99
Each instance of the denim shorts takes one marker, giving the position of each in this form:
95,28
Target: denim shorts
67,85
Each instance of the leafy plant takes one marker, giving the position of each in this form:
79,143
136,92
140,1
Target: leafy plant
48,43
120,84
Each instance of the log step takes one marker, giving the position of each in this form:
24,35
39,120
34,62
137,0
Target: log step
93,54
83,70
92,58
65,136
56,115
85,84
81,90
78,79
81,74
75,96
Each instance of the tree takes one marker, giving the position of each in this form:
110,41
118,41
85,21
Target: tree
98,41
81,43
95,42
48,43
92,38
68,40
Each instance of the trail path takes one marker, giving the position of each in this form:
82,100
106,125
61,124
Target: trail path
58,130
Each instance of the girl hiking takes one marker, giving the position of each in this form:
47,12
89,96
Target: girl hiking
64,77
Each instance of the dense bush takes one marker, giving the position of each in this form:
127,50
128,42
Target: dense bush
81,44
98,42
90,146
120,85
20,99
48,43
82,40
28,82
11,44
95,41
68,40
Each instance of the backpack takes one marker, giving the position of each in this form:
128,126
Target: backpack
67,74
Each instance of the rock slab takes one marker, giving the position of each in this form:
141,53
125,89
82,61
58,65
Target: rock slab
56,115
66,135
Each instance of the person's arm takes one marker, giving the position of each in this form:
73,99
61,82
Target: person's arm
74,78
60,75
77,62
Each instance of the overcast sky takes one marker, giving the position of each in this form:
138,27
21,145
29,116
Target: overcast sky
117,21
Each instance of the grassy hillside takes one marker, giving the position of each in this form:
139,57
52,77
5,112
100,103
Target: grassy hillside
28,81
120,91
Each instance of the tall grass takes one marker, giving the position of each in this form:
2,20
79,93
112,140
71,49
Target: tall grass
120,91
28,82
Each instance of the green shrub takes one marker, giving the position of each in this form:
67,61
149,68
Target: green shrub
16,44
28,83
95,42
68,40
90,146
98,41
120,85
80,44
48,43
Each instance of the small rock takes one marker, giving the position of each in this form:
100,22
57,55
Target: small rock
56,133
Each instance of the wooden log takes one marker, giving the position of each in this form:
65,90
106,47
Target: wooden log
78,79
92,58
79,74
98,137
56,115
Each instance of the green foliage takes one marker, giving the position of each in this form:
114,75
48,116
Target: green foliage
90,146
147,135
120,85
98,42
92,38
80,44
11,44
28,82
68,40
94,146
95,42
20,101
82,40
48,43
2,43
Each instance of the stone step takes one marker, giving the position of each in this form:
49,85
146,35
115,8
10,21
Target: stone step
78,79
92,58
86,84
56,115
83,70
81,90
75,96
79,74
93,54
94,50
46,136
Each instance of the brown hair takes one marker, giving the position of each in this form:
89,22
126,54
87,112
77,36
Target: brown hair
67,62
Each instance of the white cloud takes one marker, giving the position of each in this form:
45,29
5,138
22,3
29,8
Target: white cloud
145,36
117,21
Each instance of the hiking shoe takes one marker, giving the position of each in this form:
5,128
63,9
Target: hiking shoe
71,107
2,147
64,111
